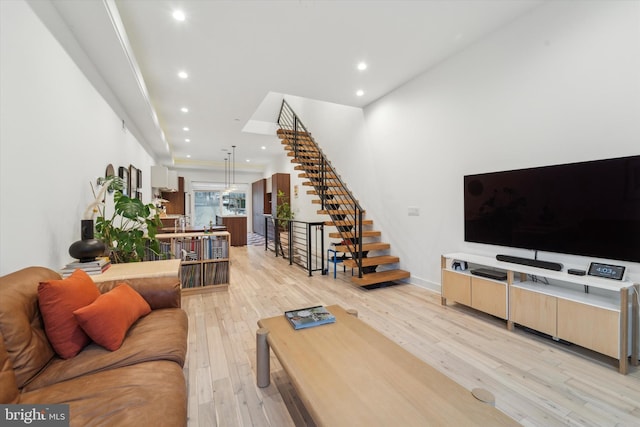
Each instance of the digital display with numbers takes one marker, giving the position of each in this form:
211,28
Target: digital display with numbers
615,272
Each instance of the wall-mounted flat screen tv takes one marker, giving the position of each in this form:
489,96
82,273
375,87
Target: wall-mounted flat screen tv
588,208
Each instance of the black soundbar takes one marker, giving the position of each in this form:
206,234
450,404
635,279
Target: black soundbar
547,265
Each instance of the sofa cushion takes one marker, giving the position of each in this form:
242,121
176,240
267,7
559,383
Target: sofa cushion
160,335
20,322
58,299
145,394
159,292
109,317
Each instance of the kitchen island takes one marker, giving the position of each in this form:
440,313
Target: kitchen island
236,226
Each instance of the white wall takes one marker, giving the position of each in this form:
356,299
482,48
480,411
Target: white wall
558,85
56,135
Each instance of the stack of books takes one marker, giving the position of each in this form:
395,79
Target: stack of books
99,265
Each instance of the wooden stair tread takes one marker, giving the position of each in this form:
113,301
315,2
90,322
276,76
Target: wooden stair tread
300,141
347,223
305,162
371,261
329,192
314,168
376,246
317,175
380,277
342,201
304,155
328,183
337,212
302,148
351,234
292,132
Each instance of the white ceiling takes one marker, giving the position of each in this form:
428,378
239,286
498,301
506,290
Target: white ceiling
236,52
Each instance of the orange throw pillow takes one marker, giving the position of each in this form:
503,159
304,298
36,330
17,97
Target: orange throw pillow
109,317
58,299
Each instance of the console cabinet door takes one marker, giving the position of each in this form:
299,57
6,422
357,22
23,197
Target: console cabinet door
592,327
489,296
456,287
534,310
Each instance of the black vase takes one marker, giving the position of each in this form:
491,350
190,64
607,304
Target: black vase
88,248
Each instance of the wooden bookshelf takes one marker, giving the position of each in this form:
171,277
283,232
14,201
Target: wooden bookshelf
204,259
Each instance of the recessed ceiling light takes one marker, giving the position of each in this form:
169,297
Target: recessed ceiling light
263,147
360,92
184,109
362,66
183,74
188,156
186,129
248,160
187,140
178,15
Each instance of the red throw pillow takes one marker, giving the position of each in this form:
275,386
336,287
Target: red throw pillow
109,317
58,299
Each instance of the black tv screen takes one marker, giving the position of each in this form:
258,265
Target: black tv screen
589,208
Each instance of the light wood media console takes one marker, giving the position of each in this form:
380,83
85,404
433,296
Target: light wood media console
598,314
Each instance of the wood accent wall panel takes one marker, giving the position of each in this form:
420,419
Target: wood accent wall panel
176,200
280,182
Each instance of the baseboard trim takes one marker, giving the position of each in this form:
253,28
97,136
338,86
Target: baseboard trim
425,284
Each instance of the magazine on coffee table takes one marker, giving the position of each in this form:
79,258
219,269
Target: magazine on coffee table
309,317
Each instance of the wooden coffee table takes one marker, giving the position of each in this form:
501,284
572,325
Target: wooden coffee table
347,373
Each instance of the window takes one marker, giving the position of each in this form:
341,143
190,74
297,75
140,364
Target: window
211,199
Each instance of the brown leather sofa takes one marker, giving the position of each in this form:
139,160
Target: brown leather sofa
141,383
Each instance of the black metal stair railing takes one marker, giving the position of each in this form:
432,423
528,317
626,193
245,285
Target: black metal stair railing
302,243
336,199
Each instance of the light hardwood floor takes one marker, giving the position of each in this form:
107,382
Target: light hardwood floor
536,381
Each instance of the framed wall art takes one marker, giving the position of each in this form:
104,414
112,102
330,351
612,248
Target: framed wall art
133,181
124,174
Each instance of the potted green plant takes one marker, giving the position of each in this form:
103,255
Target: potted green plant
283,210
131,229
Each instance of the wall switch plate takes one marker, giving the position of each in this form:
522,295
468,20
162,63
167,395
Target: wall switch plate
414,211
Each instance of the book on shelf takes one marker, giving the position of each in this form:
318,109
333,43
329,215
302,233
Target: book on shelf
309,317
216,273
190,276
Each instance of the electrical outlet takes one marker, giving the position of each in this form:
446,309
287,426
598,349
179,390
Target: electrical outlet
414,211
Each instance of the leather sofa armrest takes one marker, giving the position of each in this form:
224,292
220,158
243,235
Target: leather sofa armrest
159,292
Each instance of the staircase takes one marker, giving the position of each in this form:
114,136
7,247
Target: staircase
354,233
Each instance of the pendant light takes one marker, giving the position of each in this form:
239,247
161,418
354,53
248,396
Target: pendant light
226,184
233,186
